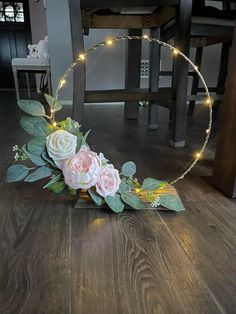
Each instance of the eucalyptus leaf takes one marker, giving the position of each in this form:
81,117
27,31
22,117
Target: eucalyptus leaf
132,200
32,107
53,103
171,202
37,145
38,174
124,187
98,200
36,126
115,203
48,159
53,180
128,169
16,173
152,184
37,160
80,141
57,187
85,137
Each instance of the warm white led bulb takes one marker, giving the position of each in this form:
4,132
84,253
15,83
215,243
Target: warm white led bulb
175,52
62,82
145,36
109,42
198,155
208,101
82,56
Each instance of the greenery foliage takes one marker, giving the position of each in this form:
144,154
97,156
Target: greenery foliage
39,125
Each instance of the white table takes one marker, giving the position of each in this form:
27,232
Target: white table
30,65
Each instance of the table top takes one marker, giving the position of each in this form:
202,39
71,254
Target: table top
29,62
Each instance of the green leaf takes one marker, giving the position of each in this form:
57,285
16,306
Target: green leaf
53,180
16,173
98,200
115,203
128,169
85,137
124,187
53,103
80,141
48,159
38,174
152,184
32,107
72,191
37,160
36,126
37,145
132,200
57,187
171,202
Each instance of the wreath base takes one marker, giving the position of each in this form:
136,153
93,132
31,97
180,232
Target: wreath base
85,202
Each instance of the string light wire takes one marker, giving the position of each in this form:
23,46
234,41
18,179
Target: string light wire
176,52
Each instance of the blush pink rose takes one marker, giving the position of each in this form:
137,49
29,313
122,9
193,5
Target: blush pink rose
109,181
82,170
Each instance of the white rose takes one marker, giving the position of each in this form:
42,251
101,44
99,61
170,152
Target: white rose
61,145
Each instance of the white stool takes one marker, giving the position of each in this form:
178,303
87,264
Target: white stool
30,65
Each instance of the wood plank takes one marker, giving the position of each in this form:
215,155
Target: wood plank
131,263
164,94
126,21
34,233
85,202
206,231
91,4
224,171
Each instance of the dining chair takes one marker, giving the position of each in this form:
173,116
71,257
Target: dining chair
152,14
209,26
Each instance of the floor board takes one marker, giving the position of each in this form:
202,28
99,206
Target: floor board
57,259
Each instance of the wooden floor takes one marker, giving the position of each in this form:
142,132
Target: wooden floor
57,259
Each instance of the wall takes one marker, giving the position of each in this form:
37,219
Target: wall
38,20
59,39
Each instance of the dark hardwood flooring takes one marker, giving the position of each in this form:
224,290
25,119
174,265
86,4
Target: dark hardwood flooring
57,259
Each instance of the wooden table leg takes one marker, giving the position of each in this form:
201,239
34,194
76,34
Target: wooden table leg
28,84
15,76
224,170
154,70
180,75
132,74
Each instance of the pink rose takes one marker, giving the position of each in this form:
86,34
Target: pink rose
109,181
82,170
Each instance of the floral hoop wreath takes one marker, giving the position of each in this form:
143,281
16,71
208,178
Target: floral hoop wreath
59,150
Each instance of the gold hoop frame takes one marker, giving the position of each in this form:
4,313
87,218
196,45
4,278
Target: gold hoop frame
109,43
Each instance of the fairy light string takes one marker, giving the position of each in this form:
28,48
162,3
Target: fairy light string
110,43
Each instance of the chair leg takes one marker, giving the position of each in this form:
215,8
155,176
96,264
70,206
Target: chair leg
132,74
79,71
222,76
154,70
180,73
198,62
